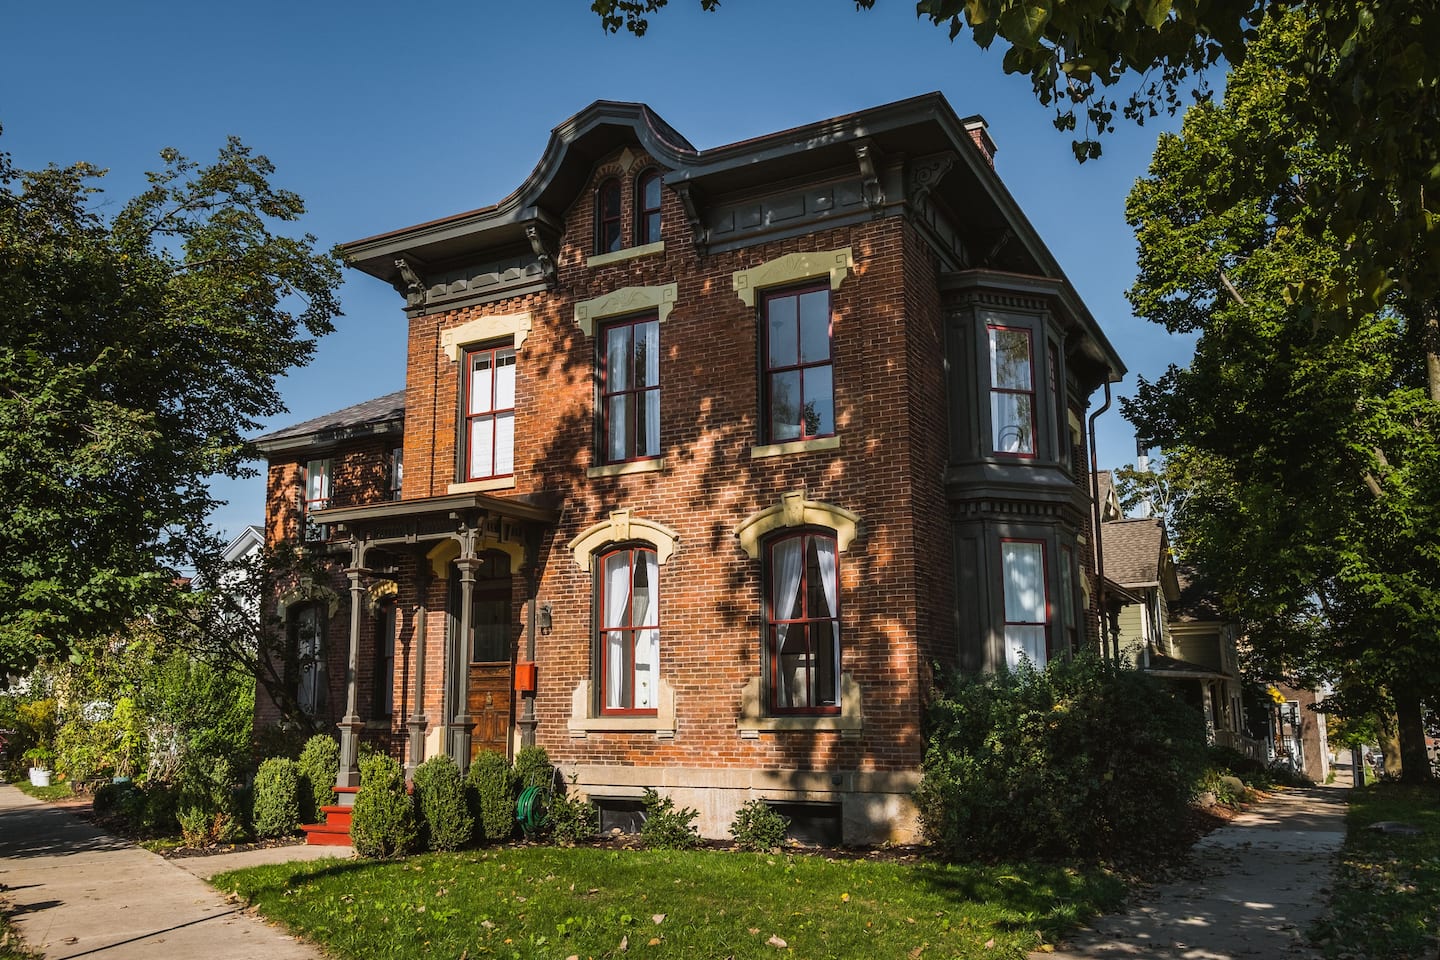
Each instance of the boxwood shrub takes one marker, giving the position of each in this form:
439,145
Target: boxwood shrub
440,797
492,791
382,823
276,810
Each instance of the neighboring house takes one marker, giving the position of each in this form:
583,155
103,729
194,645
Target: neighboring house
709,457
1294,732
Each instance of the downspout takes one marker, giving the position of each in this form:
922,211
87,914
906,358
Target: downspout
1095,524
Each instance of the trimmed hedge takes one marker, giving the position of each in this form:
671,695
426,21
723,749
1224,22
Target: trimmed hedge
383,824
319,769
444,812
276,811
1073,761
491,785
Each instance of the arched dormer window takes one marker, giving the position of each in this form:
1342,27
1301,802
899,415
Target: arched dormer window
647,207
607,217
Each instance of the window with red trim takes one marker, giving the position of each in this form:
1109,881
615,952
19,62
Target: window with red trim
802,623
798,387
647,208
607,217
488,433
1027,606
1069,609
629,630
316,496
1012,392
630,390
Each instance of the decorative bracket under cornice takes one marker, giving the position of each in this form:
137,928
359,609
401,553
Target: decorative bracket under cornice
411,284
926,174
1005,237
689,201
867,154
543,255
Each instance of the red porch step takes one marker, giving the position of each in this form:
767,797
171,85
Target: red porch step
335,831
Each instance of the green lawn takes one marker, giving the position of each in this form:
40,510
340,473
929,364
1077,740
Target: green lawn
549,902
58,791
1386,900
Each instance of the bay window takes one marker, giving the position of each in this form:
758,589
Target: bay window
629,630
798,386
803,623
1027,608
630,390
488,437
1012,392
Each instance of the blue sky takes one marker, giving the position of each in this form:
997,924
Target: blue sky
383,115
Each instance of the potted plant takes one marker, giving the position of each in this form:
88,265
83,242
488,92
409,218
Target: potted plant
39,758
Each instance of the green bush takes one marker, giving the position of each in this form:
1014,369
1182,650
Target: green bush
666,828
207,789
319,769
382,823
440,796
1073,761
534,769
758,827
492,792
276,804
570,819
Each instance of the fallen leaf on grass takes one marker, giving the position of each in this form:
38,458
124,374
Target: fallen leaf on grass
659,918
488,925
754,930
990,944
777,943
915,954
844,898
624,944
654,942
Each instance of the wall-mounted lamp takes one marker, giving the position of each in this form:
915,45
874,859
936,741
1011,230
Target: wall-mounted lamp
546,623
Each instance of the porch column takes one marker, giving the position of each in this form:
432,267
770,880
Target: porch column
418,721
351,725
528,720
460,732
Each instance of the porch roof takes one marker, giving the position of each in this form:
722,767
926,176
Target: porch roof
367,516
1163,666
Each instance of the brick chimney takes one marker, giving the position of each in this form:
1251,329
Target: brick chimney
979,132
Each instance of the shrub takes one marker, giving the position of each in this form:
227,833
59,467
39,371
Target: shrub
157,810
758,827
666,828
1077,760
319,769
382,824
571,819
492,789
276,807
534,769
440,797
208,790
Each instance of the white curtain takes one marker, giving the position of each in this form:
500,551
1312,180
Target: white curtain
1010,419
652,378
617,602
786,560
647,641
617,378
1025,617
825,554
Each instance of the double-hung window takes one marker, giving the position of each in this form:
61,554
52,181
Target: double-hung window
316,496
608,237
647,208
384,684
394,473
630,390
1027,608
1012,392
489,405
307,627
798,386
802,616
629,630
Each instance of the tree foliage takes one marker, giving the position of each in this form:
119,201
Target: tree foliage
136,352
1310,452
1361,82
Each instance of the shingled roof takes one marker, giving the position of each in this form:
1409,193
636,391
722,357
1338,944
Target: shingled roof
1132,551
1198,600
383,415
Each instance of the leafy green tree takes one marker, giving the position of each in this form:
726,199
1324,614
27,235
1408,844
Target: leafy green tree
1311,449
136,352
1361,82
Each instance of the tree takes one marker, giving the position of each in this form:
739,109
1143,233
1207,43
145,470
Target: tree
1310,451
1362,83
136,352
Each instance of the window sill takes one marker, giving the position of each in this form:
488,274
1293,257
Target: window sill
661,723
849,723
816,445
480,486
629,253
656,465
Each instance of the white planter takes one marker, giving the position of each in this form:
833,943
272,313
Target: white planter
39,777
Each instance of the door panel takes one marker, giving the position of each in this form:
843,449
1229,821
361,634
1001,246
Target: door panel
491,688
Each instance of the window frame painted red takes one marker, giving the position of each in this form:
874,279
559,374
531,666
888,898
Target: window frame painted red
630,630
602,220
1049,611
468,415
643,212
772,652
1069,571
767,424
602,345
314,532
1034,431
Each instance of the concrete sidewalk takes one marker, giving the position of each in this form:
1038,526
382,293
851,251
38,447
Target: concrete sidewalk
79,892
1255,885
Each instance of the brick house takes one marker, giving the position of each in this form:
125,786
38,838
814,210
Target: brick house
709,457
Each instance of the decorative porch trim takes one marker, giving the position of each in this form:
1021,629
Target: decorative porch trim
308,592
794,510
792,268
380,591
661,299
447,552
622,526
516,325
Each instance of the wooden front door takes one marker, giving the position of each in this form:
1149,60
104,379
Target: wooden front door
491,686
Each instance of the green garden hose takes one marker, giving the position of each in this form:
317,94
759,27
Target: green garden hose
530,809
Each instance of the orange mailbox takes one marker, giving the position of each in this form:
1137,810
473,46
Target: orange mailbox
525,676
